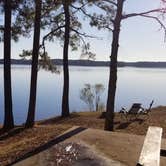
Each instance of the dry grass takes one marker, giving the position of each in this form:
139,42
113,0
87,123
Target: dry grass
19,141
139,126
15,145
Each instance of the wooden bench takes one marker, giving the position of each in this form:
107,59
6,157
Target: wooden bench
150,154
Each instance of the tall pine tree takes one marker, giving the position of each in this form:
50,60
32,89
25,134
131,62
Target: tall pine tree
34,69
8,118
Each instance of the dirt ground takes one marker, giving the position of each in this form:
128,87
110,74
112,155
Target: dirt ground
18,142
93,147
138,126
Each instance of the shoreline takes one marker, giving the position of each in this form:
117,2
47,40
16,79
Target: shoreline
91,63
58,117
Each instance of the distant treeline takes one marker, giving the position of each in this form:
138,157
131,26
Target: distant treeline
94,63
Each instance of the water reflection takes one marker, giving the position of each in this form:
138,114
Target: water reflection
134,85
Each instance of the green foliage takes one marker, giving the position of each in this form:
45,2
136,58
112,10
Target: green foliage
104,18
52,20
91,95
44,62
87,53
55,21
26,54
22,22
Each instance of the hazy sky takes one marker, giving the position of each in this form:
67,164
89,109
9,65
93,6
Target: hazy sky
140,38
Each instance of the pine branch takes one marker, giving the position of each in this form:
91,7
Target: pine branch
111,2
78,8
146,15
163,10
159,21
47,35
83,34
52,32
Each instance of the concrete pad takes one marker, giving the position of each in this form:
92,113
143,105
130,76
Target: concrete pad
122,147
103,147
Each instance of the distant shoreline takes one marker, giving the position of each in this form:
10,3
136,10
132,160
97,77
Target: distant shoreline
90,63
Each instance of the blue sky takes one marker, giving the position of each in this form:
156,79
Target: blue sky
140,38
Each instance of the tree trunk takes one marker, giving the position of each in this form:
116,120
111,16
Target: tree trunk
97,102
109,120
65,97
8,115
34,70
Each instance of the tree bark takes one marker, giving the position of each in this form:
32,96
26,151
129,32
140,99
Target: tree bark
65,97
8,115
109,120
34,69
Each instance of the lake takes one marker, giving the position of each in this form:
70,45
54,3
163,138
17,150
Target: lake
134,85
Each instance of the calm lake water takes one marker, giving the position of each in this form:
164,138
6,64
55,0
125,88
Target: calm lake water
134,85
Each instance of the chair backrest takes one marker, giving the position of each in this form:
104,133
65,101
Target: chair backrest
150,106
135,108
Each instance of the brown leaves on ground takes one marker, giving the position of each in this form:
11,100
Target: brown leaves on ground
139,125
20,141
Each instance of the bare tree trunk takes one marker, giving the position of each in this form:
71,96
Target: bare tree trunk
8,115
109,121
97,102
65,97
34,70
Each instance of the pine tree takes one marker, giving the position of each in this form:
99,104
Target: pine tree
35,54
8,118
111,20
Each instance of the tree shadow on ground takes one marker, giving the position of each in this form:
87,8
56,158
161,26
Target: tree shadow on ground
58,119
124,125
7,134
49,144
117,122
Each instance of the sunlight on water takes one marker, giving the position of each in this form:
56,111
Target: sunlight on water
134,85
